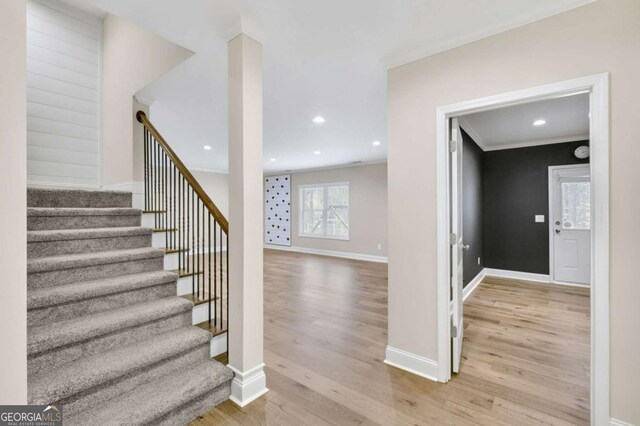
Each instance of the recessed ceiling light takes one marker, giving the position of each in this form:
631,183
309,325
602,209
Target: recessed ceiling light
539,122
375,143
272,159
207,147
319,120
316,153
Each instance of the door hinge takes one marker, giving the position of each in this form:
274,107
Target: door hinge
454,331
453,239
453,146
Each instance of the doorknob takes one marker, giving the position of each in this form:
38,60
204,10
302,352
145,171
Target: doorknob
465,247
557,231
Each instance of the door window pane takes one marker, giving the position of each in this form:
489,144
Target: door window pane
576,205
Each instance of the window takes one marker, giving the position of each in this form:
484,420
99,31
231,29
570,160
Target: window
576,205
324,210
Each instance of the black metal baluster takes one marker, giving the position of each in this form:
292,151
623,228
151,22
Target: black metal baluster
197,252
221,291
175,192
215,274
227,299
202,250
151,173
144,134
209,263
157,184
193,238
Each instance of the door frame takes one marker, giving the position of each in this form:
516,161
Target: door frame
597,86
552,169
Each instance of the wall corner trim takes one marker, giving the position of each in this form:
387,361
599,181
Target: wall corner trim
331,253
248,386
415,364
616,422
473,284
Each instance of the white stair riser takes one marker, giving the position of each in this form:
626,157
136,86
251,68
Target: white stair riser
159,240
219,345
148,220
171,261
201,313
185,286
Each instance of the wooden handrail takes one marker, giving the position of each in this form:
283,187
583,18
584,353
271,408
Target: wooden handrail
206,200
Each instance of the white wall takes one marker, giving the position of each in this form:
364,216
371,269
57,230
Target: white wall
132,59
13,202
367,209
216,185
64,64
602,36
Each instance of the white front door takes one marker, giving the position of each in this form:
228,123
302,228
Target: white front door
456,244
571,224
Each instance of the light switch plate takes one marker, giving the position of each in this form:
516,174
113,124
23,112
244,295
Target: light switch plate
540,218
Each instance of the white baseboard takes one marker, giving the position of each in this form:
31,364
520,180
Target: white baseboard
616,422
331,253
516,275
412,363
248,386
528,276
473,284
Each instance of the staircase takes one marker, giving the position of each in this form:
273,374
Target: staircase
108,338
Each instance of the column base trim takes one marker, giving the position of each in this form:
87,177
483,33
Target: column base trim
248,386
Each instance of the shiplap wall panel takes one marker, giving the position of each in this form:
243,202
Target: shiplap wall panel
45,140
64,61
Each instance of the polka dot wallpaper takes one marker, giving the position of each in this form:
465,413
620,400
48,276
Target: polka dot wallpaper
277,210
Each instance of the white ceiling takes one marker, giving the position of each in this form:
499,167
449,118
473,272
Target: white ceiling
567,119
324,58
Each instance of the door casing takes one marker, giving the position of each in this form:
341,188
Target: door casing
597,86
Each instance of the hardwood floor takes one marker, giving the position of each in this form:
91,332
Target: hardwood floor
525,354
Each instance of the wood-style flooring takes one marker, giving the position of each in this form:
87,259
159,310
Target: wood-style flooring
525,354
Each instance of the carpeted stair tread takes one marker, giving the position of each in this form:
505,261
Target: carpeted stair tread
84,234
93,371
38,197
46,297
82,211
150,402
54,263
63,333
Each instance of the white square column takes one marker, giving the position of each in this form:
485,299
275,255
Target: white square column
245,220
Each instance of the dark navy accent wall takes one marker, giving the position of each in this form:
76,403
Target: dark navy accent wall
515,189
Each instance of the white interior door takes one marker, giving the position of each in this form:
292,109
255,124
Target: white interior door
571,224
456,244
